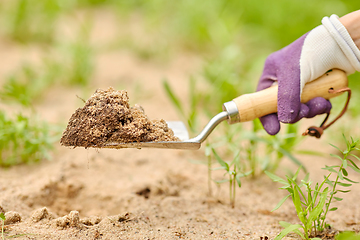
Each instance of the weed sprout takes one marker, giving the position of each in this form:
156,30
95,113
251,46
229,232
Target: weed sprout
313,204
23,140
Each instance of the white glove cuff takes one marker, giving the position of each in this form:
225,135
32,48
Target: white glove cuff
326,47
343,39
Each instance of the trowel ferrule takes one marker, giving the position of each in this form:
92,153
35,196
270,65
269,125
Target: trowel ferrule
233,112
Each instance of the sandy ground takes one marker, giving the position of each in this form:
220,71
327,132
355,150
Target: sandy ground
148,193
145,194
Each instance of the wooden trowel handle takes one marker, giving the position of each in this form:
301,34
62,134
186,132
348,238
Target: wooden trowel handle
258,104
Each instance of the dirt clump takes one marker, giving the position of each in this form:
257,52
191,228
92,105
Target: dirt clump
108,117
12,217
91,221
70,220
41,214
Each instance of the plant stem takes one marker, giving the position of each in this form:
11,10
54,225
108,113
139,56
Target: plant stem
230,190
2,230
234,190
251,157
209,176
331,195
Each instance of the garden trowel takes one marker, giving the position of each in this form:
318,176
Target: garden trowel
245,108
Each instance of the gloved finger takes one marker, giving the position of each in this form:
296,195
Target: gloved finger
303,112
288,101
268,76
271,123
289,105
315,106
318,106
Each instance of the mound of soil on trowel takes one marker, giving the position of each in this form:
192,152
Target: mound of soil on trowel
108,117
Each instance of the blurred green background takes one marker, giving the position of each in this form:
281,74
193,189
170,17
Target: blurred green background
231,38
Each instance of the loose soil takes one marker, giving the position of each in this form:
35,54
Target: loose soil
108,117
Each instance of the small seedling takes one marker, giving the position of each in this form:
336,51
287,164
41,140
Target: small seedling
23,140
313,204
32,22
192,114
80,52
234,173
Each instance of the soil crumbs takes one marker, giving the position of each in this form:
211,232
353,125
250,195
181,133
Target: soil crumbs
108,117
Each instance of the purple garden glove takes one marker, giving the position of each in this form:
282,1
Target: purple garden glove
325,47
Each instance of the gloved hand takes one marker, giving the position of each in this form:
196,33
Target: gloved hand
326,47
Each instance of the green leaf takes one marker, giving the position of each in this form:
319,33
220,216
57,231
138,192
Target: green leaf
330,168
347,236
356,169
287,230
244,174
329,182
174,99
349,180
333,209
335,147
344,172
287,224
315,213
351,154
352,162
291,157
338,199
344,163
220,161
207,150
309,152
297,203
336,156
344,184
296,174
342,191
2,216
221,181
281,202
340,175
276,178
237,178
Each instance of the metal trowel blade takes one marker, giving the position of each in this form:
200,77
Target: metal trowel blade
179,130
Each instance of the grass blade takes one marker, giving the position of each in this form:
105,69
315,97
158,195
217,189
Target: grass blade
349,180
287,230
220,161
281,202
344,184
276,178
174,99
318,209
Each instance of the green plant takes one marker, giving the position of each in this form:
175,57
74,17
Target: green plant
208,151
192,114
347,236
234,172
28,84
80,54
24,140
31,22
313,204
275,147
